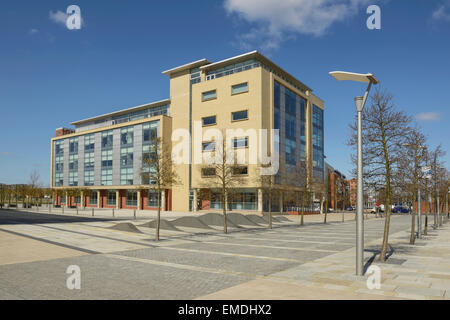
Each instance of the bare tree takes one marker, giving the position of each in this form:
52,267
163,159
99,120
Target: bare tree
384,133
437,171
407,177
224,174
157,171
269,191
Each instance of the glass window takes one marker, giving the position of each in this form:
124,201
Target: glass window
126,176
89,161
318,143
73,162
107,158
89,178
73,145
111,198
59,163
208,172
59,179
59,147
126,157
126,136
131,199
93,197
209,146
291,147
207,121
239,88
209,95
153,199
291,126
239,115
150,131
106,179
241,170
89,142
240,142
107,139
73,178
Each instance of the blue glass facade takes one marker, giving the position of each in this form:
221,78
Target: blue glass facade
318,142
293,108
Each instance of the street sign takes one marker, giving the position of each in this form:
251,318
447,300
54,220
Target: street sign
426,172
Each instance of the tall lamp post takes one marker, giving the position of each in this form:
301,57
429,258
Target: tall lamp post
360,103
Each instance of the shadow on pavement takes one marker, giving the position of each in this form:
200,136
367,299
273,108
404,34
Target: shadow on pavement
22,217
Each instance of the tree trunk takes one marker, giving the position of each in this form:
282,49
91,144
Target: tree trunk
385,244
158,216
412,238
270,212
225,202
303,209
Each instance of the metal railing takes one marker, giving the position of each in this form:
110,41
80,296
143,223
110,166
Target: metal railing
232,71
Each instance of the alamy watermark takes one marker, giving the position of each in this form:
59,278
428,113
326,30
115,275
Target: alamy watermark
374,20
74,280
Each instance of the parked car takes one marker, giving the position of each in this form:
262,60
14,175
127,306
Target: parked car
350,209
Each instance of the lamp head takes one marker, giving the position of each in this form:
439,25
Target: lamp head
359,103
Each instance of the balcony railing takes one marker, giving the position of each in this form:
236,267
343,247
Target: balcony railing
220,74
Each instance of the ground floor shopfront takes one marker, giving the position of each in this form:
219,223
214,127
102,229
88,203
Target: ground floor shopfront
139,199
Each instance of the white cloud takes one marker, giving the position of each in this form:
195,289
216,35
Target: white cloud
442,12
428,116
58,17
33,31
277,19
61,17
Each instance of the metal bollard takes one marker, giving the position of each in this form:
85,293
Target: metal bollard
77,210
113,212
134,213
62,210
92,211
343,219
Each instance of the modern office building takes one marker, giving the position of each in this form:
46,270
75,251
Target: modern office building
103,154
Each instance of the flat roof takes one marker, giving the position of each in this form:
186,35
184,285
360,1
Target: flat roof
256,55
122,111
189,65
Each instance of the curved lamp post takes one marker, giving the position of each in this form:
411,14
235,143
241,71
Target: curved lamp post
360,103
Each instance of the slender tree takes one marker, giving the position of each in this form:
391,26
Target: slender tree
384,133
224,174
157,171
409,171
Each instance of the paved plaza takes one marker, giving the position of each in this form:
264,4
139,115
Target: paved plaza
119,259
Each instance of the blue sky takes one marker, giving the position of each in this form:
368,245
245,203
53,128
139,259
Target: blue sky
50,76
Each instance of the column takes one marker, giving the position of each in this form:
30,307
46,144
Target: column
67,200
195,206
98,198
118,199
281,201
139,205
260,200
163,200
82,199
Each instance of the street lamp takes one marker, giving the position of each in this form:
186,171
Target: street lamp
360,103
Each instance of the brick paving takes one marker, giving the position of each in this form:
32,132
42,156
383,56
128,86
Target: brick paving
313,261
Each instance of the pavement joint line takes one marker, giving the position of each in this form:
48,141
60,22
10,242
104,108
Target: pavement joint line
270,247
304,236
233,254
185,266
286,240
51,242
96,236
